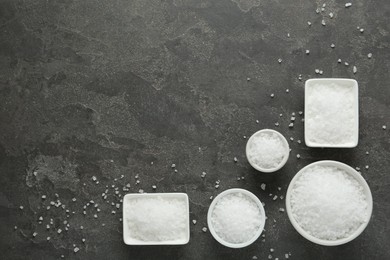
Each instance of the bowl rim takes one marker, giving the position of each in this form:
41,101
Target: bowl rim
352,172
212,206
134,242
355,85
285,158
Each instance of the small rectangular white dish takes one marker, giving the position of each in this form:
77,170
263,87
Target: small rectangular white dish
331,113
182,238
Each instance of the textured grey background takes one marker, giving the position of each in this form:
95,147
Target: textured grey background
105,88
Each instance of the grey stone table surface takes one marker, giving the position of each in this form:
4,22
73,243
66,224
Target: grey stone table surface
122,89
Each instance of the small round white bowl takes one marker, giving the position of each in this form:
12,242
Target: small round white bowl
211,209
285,158
353,174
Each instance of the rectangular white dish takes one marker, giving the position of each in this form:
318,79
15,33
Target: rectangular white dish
137,197
331,113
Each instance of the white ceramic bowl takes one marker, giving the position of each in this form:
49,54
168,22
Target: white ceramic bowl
353,174
211,209
131,241
343,82
285,158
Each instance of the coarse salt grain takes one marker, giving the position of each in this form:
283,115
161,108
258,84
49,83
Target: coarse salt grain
325,124
266,150
236,218
156,219
328,203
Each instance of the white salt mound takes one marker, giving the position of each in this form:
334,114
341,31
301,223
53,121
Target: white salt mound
328,203
236,218
156,219
266,150
330,115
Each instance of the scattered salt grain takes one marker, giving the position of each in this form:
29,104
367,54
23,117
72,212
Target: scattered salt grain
262,186
339,60
266,150
280,60
384,127
328,203
369,55
348,5
76,249
156,218
309,23
236,218
204,229
332,45
323,23
272,95
324,122
354,69
194,221
331,15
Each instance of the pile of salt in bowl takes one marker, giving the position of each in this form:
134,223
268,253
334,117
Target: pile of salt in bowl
328,203
236,218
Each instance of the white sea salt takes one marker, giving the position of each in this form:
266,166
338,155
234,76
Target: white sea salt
266,150
236,218
156,218
328,203
330,117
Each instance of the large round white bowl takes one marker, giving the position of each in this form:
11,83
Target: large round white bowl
352,173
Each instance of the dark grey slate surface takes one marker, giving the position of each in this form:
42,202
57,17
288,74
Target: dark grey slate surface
104,88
